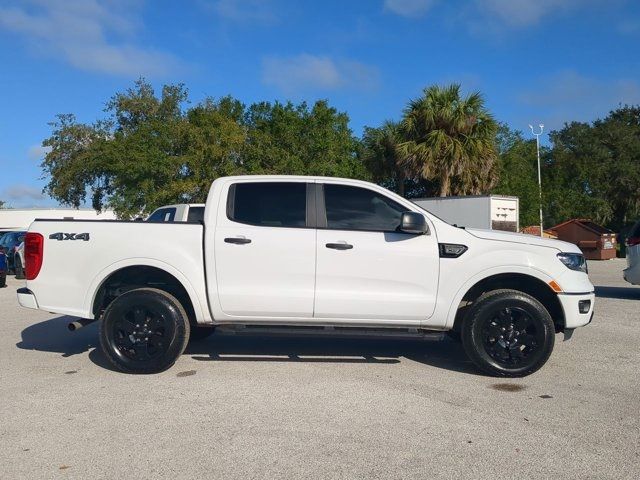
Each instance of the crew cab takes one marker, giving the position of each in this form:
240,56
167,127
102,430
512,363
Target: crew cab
323,254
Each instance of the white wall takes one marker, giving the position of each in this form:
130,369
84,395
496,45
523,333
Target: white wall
20,219
472,212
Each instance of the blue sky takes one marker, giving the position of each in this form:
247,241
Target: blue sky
535,61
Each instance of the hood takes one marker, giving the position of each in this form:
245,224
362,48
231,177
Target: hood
523,239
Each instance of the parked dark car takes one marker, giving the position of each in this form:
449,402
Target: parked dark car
10,240
3,268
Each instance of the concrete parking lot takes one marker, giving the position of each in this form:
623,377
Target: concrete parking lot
296,407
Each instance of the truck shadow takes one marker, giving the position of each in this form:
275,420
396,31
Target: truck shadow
445,353
53,336
623,293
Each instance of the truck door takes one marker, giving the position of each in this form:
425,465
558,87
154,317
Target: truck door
265,250
366,268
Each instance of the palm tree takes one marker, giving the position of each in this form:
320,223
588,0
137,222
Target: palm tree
381,153
450,139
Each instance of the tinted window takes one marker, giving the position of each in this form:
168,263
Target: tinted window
196,214
354,208
273,204
163,215
635,231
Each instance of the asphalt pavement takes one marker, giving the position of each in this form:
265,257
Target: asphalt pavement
246,407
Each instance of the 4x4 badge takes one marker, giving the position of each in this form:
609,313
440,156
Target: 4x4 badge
69,236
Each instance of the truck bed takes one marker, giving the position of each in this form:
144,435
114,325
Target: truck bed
80,254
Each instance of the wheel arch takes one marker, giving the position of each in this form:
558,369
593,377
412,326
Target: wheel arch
532,285
125,276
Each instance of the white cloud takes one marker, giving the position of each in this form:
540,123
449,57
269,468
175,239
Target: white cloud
409,8
521,12
483,15
94,35
245,11
629,26
20,193
305,73
567,96
37,152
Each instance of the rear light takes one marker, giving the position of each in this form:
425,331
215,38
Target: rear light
33,247
632,241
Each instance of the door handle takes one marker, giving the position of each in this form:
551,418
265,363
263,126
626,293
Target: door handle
237,240
339,246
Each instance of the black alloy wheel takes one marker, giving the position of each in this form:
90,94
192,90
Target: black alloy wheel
144,331
511,336
508,333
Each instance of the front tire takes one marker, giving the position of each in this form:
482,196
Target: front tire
508,333
144,331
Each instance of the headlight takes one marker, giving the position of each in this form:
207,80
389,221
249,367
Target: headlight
574,261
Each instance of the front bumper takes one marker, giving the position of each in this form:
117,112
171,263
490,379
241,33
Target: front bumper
570,305
26,298
632,274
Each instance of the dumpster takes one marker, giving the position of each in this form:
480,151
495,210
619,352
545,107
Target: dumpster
535,230
595,241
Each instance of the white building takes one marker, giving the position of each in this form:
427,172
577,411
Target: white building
491,212
21,218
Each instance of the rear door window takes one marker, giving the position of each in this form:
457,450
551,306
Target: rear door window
268,204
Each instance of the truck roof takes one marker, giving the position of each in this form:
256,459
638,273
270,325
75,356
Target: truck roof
301,178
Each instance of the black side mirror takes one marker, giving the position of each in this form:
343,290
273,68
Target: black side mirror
414,223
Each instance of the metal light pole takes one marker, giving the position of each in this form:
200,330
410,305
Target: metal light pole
537,135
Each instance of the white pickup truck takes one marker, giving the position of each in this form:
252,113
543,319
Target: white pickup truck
180,212
318,254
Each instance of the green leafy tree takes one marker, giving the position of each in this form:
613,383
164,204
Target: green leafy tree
72,166
149,152
450,139
517,173
298,140
155,149
382,156
596,168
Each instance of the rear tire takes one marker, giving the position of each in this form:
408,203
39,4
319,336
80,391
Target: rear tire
18,268
144,330
508,333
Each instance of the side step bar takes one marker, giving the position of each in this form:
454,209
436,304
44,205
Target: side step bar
368,332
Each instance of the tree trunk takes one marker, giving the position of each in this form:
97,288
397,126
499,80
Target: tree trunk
445,185
400,181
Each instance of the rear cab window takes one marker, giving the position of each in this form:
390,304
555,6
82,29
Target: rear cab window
163,215
196,214
268,204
